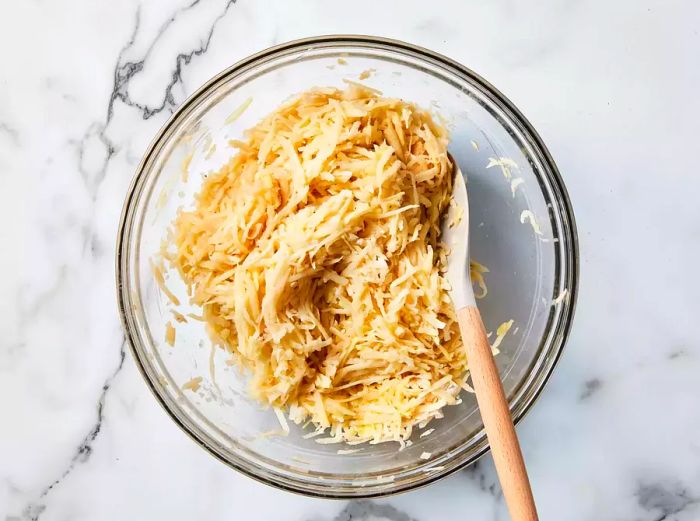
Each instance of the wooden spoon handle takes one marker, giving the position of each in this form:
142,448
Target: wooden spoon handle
495,413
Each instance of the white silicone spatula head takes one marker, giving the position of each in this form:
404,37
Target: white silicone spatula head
455,234
493,406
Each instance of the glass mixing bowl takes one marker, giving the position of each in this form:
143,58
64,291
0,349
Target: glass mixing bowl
532,278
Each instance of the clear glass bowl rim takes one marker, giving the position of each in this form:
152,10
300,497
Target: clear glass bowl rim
570,260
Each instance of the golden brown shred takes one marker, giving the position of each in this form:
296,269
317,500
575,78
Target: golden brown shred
476,273
160,280
179,317
315,257
170,334
193,384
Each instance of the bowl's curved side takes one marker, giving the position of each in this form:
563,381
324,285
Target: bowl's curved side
560,319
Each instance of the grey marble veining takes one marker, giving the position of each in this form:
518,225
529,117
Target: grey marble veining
611,87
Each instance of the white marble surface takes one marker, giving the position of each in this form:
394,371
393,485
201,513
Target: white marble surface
611,86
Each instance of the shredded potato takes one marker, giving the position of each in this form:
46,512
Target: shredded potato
314,255
528,216
238,112
170,334
504,163
193,384
501,332
514,184
476,274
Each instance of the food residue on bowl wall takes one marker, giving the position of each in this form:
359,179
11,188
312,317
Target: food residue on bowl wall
238,112
169,334
561,297
504,163
193,384
159,277
501,332
476,274
528,216
515,183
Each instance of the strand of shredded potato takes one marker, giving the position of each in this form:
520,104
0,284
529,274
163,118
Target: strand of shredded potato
315,256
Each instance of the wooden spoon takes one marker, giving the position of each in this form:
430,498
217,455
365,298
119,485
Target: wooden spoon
493,406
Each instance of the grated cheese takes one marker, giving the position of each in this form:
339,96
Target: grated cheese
314,255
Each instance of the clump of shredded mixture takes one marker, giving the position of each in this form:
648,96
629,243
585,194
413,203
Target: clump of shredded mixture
315,256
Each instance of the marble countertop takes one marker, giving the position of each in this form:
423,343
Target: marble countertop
612,88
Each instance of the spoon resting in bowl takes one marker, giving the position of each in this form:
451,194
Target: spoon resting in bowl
486,381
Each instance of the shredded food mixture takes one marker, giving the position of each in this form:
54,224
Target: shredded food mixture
315,256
